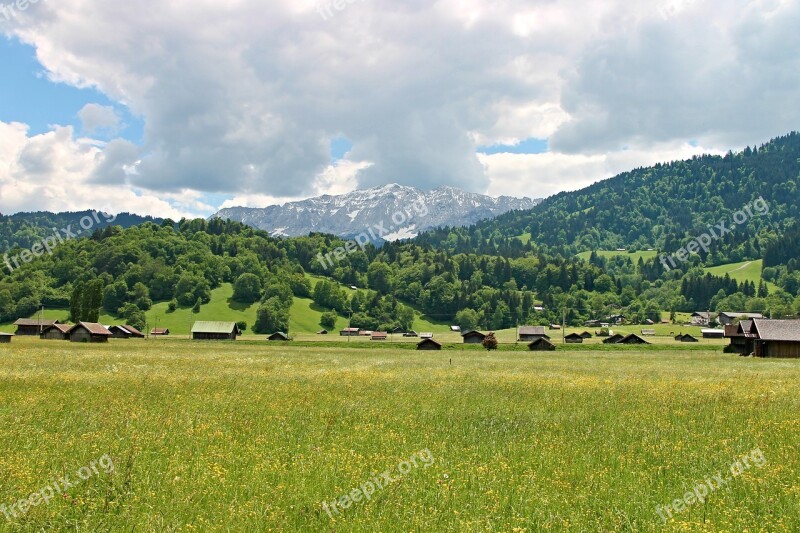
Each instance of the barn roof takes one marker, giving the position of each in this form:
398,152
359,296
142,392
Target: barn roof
34,322
63,328
214,327
473,333
737,315
6,334
532,330
778,330
91,327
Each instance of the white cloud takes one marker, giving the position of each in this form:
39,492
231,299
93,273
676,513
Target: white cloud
242,98
98,117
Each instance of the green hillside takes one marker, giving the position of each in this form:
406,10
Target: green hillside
746,271
634,257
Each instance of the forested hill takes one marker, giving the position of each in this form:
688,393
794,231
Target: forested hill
654,207
25,229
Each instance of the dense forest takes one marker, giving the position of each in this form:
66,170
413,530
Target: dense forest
478,277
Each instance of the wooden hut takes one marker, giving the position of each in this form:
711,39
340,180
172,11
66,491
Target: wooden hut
473,337
215,331
686,338
380,335
633,339
56,332
125,332
159,332
279,336
89,332
776,338
614,339
428,344
573,338
349,332
32,326
713,333
586,335
5,338
531,333
541,345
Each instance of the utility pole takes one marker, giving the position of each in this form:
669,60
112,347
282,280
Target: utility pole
564,326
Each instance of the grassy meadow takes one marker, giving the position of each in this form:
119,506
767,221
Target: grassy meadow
252,436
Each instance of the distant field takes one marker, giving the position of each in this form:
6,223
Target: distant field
632,256
250,436
746,271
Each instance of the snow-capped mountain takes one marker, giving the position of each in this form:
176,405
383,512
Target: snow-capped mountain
386,213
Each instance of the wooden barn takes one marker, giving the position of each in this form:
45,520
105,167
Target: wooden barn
532,333
279,336
5,338
633,339
159,332
380,336
686,338
428,344
349,332
56,332
586,335
574,338
215,331
33,326
473,337
742,338
776,338
125,332
614,339
88,332
729,318
542,345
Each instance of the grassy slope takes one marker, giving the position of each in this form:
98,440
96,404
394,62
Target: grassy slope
746,271
633,257
254,437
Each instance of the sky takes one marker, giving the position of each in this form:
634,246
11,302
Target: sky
176,108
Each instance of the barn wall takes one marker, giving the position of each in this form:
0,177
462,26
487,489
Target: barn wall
782,349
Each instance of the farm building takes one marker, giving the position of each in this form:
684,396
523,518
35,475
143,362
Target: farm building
648,333
279,336
727,318
573,338
5,338
32,326
632,339
455,329
473,337
215,331
428,344
380,336
614,339
56,332
349,332
586,335
426,335
776,338
410,334
685,338
713,333
398,331
541,345
322,332
742,340
159,332
125,332
701,318
531,333
88,332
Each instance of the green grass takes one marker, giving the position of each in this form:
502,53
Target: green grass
252,436
645,254
746,271
525,238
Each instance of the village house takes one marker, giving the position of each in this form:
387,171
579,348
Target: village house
56,332
32,326
473,337
532,333
701,318
215,331
726,318
89,332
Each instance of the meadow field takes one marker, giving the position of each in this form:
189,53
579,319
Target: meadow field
252,436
